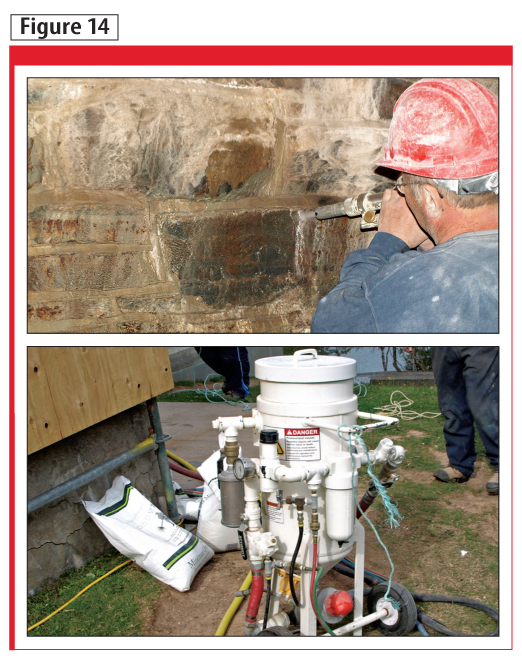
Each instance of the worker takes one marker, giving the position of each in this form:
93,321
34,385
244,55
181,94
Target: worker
433,265
232,363
467,387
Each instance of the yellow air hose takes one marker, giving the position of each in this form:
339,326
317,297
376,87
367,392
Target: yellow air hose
76,596
181,461
223,625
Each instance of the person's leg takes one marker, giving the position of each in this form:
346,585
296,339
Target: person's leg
481,376
245,367
234,366
448,368
212,356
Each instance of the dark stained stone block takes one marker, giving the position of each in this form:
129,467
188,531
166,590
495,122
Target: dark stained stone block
239,258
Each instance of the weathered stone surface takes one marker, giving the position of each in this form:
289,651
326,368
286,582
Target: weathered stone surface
52,226
151,135
94,271
339,161
71,326
230,166
188,188
70,309
292,321
35,161
149,303
386,91
239,259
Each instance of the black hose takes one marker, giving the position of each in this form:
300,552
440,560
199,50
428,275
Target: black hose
451,599
348,571
292,565
267,603
433,624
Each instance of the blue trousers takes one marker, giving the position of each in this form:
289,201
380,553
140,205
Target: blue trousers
232,363
467,385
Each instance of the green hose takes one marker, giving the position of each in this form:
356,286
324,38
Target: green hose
314,598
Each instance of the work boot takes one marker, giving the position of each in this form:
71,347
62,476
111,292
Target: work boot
492,485
234,396
450,474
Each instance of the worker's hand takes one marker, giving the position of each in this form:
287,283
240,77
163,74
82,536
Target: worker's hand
397,219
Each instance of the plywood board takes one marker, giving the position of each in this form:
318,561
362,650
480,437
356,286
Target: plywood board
72,388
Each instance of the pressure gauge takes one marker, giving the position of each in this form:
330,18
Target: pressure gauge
244,469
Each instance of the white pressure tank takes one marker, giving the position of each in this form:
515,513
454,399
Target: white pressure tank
294,389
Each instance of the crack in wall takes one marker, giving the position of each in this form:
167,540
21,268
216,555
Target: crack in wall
35,548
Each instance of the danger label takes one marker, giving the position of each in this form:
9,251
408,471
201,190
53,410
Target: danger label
303,444
274,513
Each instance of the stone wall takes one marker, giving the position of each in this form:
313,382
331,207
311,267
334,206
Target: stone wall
63,535
172,205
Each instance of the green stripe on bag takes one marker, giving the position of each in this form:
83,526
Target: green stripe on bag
112,509
181,552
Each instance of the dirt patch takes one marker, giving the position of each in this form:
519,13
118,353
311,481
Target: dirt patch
199,611
412,433
418,476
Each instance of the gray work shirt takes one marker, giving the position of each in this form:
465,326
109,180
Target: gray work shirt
389,288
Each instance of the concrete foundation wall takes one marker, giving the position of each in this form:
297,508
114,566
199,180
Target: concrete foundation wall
63,535
171,205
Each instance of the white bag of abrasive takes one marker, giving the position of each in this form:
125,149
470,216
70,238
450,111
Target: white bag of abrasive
138,529
210,529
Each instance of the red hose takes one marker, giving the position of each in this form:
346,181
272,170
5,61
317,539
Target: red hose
185,471
365,502
256,594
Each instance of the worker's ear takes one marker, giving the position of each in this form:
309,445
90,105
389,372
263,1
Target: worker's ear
432,202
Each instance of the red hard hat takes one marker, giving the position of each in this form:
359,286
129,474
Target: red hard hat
444,128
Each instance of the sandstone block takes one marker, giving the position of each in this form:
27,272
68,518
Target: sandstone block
89,271
70,309
238,258
56,225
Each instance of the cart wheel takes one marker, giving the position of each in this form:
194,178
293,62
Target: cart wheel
276,631
401,622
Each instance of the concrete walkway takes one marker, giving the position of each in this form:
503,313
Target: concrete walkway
193,438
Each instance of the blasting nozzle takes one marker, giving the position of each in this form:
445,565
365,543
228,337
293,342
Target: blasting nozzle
364,205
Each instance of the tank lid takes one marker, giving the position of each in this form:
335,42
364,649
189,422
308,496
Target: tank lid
305,366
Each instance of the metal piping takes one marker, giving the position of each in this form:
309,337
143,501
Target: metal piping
84,478
381,421
163,460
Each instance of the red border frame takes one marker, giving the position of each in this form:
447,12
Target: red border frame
118,55
221,56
